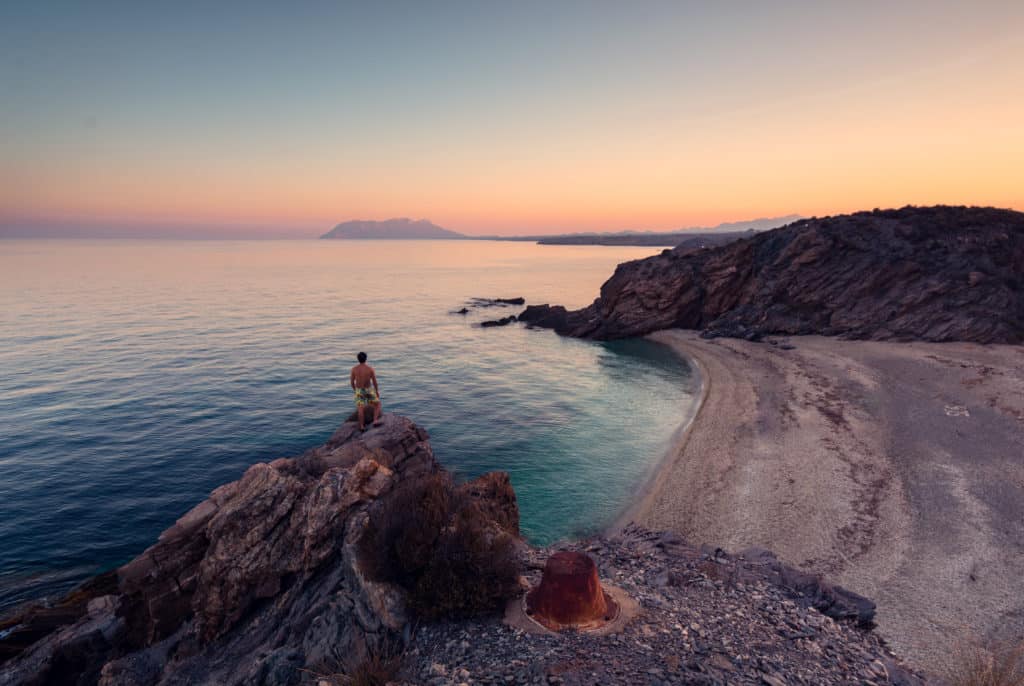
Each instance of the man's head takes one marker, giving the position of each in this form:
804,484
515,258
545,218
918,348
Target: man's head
361,357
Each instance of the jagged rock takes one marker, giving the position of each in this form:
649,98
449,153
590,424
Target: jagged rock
811,589
546,316
934,274
260,580
504,321
28,626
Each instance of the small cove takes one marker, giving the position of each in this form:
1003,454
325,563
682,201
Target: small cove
136,376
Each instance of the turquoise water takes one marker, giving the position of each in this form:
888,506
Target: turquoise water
136,376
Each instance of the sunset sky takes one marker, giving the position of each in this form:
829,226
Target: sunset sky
282,119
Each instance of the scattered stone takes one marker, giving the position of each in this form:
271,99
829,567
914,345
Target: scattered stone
753,627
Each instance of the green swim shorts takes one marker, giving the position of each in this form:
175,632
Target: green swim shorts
366,396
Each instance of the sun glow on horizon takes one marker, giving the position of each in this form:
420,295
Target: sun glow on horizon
530,120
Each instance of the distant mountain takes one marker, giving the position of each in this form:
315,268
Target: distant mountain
762,224
395,229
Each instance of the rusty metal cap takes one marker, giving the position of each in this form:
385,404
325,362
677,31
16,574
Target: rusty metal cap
570,595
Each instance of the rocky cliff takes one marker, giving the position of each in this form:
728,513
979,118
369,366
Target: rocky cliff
267,576
934,274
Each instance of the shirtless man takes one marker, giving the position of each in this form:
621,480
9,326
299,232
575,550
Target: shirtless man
362,378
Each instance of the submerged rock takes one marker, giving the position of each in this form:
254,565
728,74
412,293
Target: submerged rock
504,321
929,273
496,302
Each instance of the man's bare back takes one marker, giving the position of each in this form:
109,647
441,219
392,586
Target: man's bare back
362,377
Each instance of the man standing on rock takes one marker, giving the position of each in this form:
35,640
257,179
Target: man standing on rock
361,378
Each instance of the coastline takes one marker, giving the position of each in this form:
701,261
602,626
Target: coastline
643,501
891,468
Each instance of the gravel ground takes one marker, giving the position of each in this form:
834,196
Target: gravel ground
706,617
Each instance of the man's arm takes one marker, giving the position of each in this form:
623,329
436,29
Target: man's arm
352,378
373,377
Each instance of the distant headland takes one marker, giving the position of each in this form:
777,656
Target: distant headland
694,236
392,229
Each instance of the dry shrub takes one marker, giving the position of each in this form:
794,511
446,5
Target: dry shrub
376,669
474,568
440,547
999,665
403,529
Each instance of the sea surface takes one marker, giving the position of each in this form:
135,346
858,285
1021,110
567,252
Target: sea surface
136,376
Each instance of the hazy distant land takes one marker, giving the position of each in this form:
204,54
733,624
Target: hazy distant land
693,239
394,229
697,237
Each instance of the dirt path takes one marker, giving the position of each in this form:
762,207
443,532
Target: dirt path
896,469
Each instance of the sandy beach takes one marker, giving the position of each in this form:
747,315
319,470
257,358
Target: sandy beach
894,469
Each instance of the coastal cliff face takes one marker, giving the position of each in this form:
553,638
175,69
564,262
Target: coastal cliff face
933,274
266,576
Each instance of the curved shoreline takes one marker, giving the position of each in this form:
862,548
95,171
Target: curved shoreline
891,468
650,488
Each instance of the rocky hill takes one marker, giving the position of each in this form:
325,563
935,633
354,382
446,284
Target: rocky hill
363,555
391,229
916,273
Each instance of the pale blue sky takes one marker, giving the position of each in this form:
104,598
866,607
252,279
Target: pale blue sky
269,117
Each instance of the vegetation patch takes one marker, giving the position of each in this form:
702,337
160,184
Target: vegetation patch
434,541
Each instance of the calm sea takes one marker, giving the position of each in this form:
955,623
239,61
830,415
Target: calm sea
136,376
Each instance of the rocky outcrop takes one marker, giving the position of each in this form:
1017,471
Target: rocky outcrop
496,302
504,321
492,302
262,579
933,274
